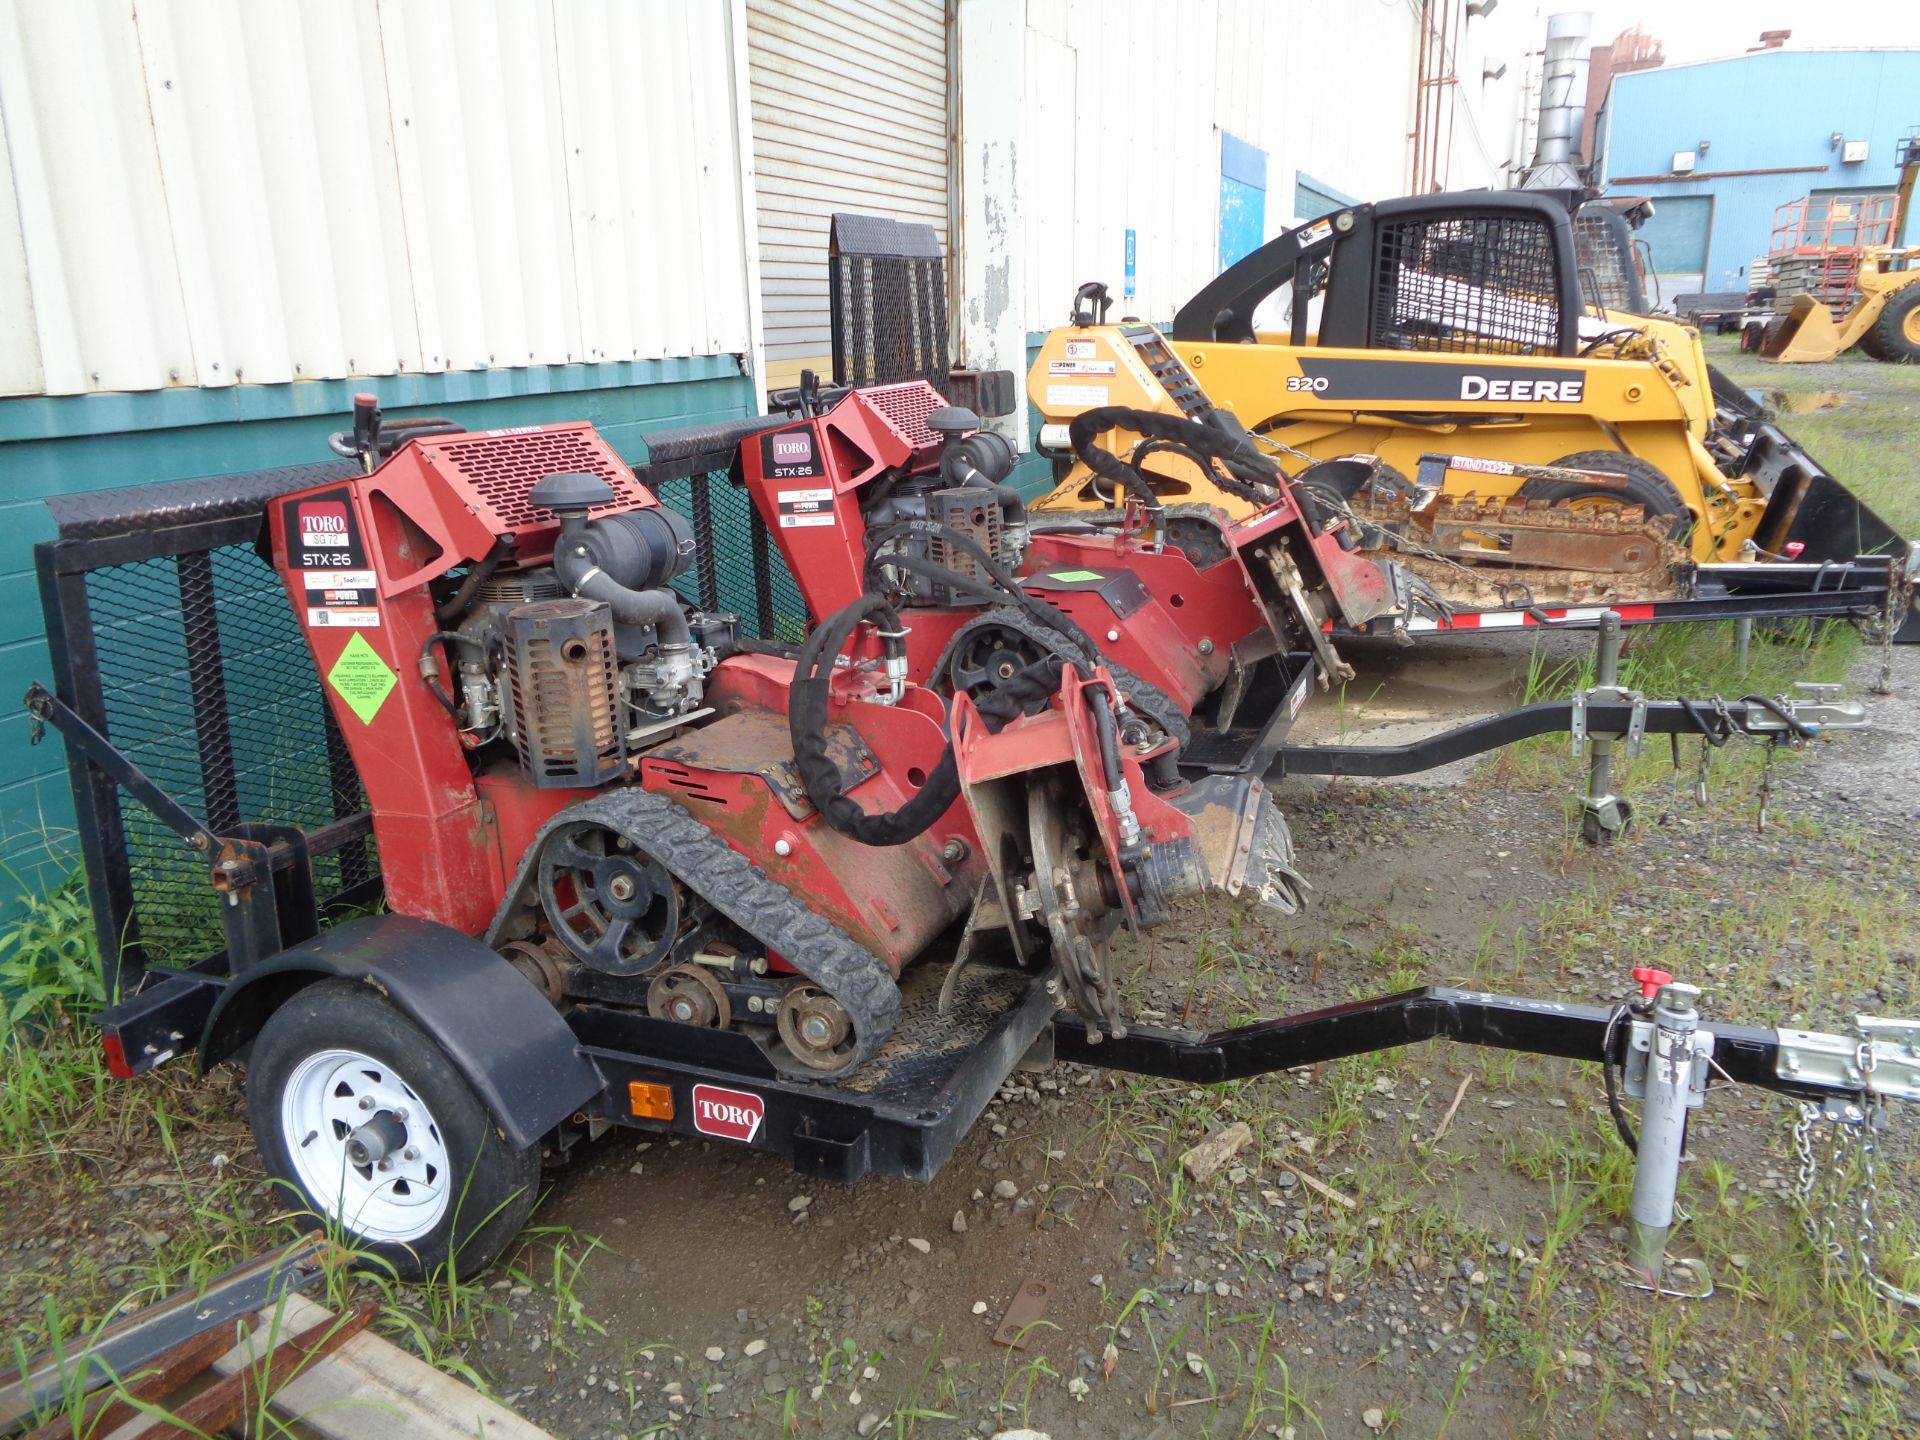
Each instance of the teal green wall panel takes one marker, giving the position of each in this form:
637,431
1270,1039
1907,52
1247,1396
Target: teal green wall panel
70,444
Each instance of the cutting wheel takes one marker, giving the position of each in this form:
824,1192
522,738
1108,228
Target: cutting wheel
1067,884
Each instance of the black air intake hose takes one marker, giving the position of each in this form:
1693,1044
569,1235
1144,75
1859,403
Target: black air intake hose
985,458
658,608
624,561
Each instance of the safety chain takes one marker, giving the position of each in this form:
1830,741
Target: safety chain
1894,618
1851,1166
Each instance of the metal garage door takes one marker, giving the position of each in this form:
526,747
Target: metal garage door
849,113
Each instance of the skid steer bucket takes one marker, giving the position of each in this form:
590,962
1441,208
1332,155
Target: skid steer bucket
1805,334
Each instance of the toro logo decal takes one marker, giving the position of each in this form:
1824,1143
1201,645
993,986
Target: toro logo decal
729,1114
323,524
793,449
790,455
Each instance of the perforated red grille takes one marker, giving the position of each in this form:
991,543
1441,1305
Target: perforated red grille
494,472
906,407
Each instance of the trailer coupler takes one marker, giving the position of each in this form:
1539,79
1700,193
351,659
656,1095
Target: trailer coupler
1666,1054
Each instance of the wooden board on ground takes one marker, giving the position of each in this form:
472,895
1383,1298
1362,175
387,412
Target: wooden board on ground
368,1389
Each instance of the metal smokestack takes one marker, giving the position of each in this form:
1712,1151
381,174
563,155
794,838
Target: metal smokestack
1563,90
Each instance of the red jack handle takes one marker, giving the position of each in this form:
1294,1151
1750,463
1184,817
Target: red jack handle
1650,980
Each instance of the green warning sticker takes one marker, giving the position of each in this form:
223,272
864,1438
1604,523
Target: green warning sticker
1071,576
362,678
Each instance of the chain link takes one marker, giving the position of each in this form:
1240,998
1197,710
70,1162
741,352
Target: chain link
1851,1166
1894,618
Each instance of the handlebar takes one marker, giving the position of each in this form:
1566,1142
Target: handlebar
808,398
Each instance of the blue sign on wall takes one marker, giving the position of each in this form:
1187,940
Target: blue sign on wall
1128,289
1243,199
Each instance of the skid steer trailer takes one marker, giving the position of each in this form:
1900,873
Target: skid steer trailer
647,863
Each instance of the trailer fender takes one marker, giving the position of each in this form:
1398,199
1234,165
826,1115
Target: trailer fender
500,1032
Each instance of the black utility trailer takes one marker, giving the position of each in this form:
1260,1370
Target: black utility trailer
183,682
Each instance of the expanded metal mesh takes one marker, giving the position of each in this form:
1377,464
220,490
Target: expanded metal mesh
737,568
888,287
207,685
1467,283
1605,275
498,471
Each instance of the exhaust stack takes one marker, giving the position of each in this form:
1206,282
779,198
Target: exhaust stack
1557,163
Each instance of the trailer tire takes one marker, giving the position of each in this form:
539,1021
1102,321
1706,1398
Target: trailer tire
1646,487
1895,336
456,1189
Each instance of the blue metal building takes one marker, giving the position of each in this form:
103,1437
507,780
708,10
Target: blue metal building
1721,144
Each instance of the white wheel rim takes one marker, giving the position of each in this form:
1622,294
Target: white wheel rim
330,1095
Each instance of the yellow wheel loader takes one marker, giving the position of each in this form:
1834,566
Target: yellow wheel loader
1524,444
1884,321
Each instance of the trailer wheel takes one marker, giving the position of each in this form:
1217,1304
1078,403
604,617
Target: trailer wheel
358,1111
1896,333
1646,487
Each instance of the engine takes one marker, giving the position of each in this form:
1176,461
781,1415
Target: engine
579,662
955,520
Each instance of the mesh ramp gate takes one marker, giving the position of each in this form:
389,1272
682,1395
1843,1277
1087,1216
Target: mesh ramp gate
173,637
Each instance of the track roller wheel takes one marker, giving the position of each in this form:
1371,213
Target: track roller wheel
816,1028
689,995
985,656
615,908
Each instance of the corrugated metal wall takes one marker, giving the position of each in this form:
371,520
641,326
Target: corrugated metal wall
209,192
1126,100
850,112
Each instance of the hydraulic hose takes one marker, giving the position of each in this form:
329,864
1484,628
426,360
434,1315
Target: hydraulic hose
807,716
1250,475
998,585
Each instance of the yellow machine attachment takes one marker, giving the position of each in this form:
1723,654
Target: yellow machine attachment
1884,321
1450,324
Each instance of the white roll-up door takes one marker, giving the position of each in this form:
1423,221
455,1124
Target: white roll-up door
849,113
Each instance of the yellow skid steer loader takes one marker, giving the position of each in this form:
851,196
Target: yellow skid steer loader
1525,444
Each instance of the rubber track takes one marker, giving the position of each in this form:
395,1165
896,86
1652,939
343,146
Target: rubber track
765,909
1142,695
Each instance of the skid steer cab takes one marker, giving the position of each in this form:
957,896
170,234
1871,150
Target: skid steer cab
1593,457
787,791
